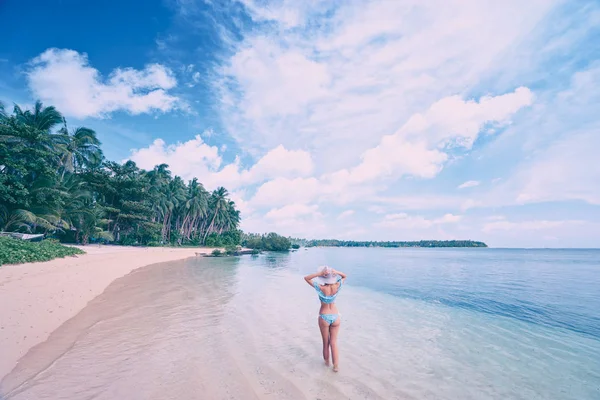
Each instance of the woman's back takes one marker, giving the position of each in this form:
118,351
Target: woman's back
328,293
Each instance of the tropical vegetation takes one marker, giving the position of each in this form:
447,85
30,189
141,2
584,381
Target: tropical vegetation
55,180
16,251
267,242
420,243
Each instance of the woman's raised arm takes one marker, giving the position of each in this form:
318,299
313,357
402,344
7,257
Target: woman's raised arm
309,278
343,275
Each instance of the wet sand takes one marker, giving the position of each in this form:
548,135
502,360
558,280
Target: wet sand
36,298
174,330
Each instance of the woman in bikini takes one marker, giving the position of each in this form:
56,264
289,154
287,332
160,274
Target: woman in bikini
328,283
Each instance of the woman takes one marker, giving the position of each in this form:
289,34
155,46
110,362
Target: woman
328,283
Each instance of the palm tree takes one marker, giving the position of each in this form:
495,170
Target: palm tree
233,217
172,197
16,220
57,200
33,128
90,223
218,205
41,118
194,209
55,179
78,200
80,149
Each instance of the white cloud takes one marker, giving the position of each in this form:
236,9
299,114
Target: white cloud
567,170
470,203
448,218
382,96
275,81
407,151
377,91
241,204
65,79
292,211
406,221
282,191
468,184
559,143
376,209
456,122
396,156
328,79
534,225
345,214
414,148
280,162
195,158
298,220
422,202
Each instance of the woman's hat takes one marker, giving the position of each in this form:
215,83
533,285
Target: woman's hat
329,278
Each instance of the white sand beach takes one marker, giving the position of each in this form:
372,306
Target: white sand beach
36,298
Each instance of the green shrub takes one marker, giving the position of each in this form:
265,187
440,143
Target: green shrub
230,238
128,240
255,252
17,251
216,253
231,250
295,246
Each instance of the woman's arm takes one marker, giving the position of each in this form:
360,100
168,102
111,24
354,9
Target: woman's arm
343,275
309,278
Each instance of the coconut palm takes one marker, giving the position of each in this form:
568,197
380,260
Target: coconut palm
171,198
41,118
16,220
80,149
218,204
193,210
55,180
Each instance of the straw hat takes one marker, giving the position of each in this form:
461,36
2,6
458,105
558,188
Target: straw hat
329,278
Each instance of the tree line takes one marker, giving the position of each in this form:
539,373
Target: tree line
56,180
420,243
267,242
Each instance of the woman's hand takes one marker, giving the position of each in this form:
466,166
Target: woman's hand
309,278
343,275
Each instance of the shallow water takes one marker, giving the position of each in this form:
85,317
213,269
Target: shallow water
417,324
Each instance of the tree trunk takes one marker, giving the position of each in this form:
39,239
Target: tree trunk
210,226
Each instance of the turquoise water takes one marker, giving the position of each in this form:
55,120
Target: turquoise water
558,288
416,324
499,323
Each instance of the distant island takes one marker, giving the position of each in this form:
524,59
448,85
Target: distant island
353,243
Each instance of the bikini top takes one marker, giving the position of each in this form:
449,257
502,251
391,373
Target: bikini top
323,297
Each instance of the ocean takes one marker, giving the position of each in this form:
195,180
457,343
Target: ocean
416,324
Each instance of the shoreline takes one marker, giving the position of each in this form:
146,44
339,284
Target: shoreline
37,298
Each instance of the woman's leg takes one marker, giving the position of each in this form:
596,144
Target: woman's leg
334,329
324,327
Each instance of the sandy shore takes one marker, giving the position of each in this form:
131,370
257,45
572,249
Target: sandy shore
36,298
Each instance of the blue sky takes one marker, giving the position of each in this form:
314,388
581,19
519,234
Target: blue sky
373,119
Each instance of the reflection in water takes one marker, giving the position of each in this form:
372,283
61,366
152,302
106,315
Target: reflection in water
275,260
